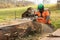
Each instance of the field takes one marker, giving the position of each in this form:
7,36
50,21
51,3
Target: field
13,13
55,18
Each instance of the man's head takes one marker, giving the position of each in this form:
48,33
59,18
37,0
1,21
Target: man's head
29,9
41,7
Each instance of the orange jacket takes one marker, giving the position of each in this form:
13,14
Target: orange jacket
43,18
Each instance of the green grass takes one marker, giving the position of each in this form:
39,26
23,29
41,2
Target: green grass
9,13
55,18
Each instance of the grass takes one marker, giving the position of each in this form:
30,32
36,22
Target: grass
55,18
9,13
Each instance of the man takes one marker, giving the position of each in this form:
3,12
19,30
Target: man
29,13
43,16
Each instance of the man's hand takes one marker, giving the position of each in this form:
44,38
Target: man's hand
47,18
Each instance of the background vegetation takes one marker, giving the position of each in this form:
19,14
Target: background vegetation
14,3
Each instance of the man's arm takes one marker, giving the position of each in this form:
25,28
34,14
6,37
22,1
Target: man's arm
24,15
47,16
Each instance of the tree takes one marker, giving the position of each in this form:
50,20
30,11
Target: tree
46,1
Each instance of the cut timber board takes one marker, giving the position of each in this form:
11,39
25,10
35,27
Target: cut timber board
13,22
56,33
53,36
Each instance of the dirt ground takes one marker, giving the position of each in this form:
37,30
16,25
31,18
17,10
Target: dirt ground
34,37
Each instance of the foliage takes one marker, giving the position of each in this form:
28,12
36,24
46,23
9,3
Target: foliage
14,3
